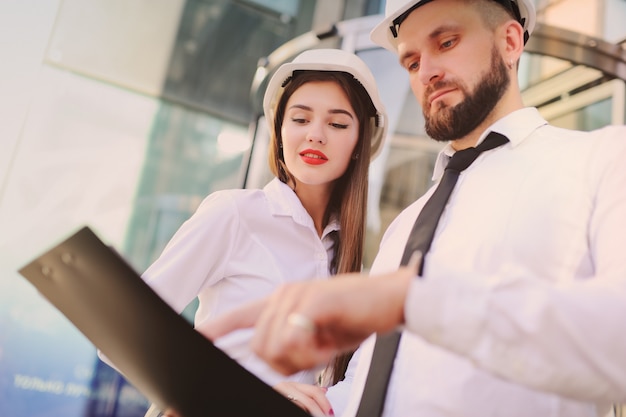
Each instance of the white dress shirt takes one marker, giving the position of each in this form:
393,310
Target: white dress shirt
239,246
521,310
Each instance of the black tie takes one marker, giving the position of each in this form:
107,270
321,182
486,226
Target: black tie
375,390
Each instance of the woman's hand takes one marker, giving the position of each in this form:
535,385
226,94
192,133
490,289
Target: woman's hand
310,398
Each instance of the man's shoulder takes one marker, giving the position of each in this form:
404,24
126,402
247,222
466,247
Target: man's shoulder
571,138
604,131
611,131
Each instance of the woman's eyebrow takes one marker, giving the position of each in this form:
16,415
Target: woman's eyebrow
331,111
301,106
341,111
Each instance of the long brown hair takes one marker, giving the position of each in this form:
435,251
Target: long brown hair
349,197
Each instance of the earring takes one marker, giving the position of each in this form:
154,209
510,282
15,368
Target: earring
510,64
355,156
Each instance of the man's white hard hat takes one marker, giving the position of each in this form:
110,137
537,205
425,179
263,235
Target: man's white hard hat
328,60
385,33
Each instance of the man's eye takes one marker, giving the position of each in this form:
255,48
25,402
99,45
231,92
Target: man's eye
447,44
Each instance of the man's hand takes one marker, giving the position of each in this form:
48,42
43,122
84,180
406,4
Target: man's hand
305,324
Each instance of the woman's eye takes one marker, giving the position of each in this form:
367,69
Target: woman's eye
298,120
339,125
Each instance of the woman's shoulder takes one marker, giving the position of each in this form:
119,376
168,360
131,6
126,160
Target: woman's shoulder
234,196
244,203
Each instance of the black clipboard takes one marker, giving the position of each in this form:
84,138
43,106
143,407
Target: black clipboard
156,349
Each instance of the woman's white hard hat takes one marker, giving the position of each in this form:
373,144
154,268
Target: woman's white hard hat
329,60
385,33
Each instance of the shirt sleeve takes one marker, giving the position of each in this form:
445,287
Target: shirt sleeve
198,253
339,394
567,337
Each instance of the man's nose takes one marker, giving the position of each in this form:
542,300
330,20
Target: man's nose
430,70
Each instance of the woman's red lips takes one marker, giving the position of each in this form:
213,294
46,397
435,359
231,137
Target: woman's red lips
313,157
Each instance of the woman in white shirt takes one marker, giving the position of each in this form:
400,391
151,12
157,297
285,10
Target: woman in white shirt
326,122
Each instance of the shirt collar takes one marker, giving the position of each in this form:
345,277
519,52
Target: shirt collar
283,201
516,126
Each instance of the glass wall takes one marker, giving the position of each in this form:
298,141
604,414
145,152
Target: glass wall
123,115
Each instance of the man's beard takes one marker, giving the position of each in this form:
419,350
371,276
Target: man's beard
455,122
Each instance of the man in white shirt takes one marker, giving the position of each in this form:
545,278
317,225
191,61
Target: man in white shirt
521,306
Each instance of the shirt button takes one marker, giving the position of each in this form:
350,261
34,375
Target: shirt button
320,256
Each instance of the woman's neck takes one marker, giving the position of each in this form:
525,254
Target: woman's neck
315,200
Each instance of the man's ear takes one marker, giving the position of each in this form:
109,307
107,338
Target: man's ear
512,36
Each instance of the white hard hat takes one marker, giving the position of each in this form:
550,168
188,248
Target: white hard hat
328,60
385,33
